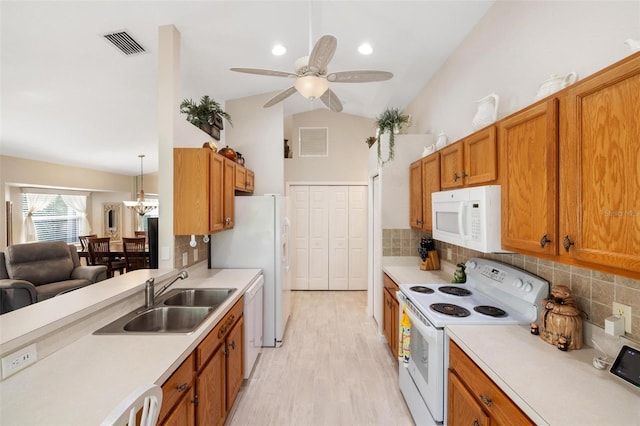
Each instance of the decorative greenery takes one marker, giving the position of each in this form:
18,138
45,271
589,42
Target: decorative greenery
391,120
371,140
201,115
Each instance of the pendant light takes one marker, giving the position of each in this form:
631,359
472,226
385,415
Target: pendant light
141,206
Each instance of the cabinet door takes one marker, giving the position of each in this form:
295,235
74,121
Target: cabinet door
463,409
387,318
529,159
430,184
235,361
210,389
251,178
300,237
415,195
338,212
395,324
358,238
191,182
451,166
481,157
176,386
600,169
216,205
229,193
184,413
240,180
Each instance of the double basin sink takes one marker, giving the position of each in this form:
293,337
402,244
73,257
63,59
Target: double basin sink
180,310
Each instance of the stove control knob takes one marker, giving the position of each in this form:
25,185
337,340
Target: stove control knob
518,283
528,287
471,265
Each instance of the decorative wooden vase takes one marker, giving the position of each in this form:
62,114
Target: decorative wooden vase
560,322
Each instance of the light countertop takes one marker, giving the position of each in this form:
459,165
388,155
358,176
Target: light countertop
406,270
80,383
552,387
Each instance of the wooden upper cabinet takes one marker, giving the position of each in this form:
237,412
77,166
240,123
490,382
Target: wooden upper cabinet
191,191
229,193
430,184
600,169
451,165
251,181
529,161
415,195
471,161
240,178
216,213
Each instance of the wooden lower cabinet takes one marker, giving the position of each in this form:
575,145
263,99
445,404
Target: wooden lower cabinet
390,314
211,408
203,389
473,398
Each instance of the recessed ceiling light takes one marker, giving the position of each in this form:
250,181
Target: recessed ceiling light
279,50
365,49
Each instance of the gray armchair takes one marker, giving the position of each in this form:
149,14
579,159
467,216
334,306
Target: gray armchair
34,272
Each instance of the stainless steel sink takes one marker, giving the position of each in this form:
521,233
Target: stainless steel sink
163,319
197,296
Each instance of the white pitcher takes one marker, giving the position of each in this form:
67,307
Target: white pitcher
487,111
554,83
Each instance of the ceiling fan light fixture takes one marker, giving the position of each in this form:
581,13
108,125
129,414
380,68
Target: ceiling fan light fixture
365,49
278,50
311,86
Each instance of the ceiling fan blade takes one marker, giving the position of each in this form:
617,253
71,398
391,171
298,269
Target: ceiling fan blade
331,101
260,71
364,76
322,52
280,96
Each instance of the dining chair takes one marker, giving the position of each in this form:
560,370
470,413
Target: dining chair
146,399
140,233
84,250
135,255
100,254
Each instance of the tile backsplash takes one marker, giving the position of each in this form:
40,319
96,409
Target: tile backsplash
182,246
596,291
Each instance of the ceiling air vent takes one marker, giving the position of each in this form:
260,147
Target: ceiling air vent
125,43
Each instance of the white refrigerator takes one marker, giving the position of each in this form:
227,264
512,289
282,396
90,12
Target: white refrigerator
260,239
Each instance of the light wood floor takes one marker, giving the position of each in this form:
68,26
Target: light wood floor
333,369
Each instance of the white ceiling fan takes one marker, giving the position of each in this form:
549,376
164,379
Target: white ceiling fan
312,80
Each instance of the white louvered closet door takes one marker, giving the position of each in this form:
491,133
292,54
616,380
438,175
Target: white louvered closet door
299,198
338,237
357,238
318,238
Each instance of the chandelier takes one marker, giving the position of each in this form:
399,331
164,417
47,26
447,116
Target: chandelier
141,206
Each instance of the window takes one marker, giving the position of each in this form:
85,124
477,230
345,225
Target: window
56,222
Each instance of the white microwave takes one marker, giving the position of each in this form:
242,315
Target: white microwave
468,217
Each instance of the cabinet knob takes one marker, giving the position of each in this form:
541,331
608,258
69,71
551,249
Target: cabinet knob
544,240
464,174
233,344
567,243
476,422
456,177
182,387
486,400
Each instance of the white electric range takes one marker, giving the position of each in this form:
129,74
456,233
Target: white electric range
494,293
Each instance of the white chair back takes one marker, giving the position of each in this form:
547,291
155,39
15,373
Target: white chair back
147,398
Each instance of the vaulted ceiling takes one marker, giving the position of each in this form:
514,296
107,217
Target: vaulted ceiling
70,97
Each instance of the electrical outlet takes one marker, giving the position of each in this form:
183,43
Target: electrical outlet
449,253
18,360
185,259
623,311
195,255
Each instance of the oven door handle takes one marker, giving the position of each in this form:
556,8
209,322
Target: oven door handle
426,330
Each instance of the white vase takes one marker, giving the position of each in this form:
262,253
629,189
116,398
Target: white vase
487,111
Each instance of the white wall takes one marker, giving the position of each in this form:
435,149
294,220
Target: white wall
258,134
514,48
347,160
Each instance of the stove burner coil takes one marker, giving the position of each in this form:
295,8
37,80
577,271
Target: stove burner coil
421,289
454,290
491,311
451,310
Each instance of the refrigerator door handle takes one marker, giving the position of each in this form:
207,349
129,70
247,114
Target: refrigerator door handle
286,225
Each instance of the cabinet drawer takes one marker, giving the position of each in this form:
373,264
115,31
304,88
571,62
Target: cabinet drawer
491,398
216,337
390,285
176,386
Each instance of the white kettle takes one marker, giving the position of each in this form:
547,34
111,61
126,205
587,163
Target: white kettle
487,111
554,83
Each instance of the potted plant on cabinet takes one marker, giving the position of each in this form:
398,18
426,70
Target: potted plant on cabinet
391,120
204,114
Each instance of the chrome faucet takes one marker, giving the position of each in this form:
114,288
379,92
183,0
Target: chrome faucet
149,289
